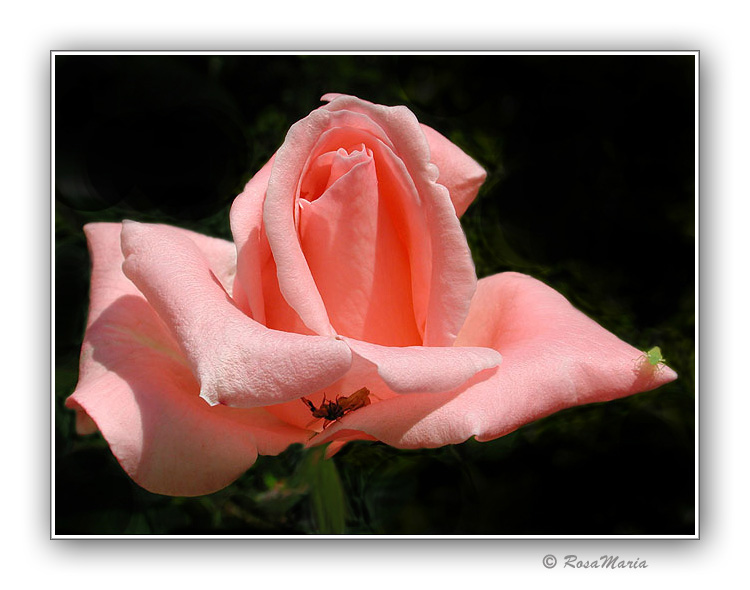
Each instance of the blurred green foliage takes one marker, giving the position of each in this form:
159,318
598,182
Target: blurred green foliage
591,171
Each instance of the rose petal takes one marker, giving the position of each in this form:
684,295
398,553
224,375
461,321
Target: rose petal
295,281
405,207
156,432
147,407
237,361
108,281
554,357
136,387
398,201
246,219
459,173
453,278
368,291
256,288
306,140
410,369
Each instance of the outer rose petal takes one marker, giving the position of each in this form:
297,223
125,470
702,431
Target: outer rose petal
459,173
256,288
246,217
136,387
237,361
425,369
554,357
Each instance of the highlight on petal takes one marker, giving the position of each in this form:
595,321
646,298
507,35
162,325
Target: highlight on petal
137,389
554,357
237,361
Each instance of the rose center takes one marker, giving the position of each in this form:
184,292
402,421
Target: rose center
329,167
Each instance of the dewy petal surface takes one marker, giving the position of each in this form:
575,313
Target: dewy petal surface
136,387
554,357
237,361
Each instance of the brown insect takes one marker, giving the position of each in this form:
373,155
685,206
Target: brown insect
332,411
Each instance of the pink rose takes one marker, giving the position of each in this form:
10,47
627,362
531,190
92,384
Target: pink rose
349,269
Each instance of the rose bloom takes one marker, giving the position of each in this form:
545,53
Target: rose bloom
349,269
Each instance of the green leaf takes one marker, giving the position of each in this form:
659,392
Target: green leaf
326,492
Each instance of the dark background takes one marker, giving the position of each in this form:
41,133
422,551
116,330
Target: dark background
590,188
